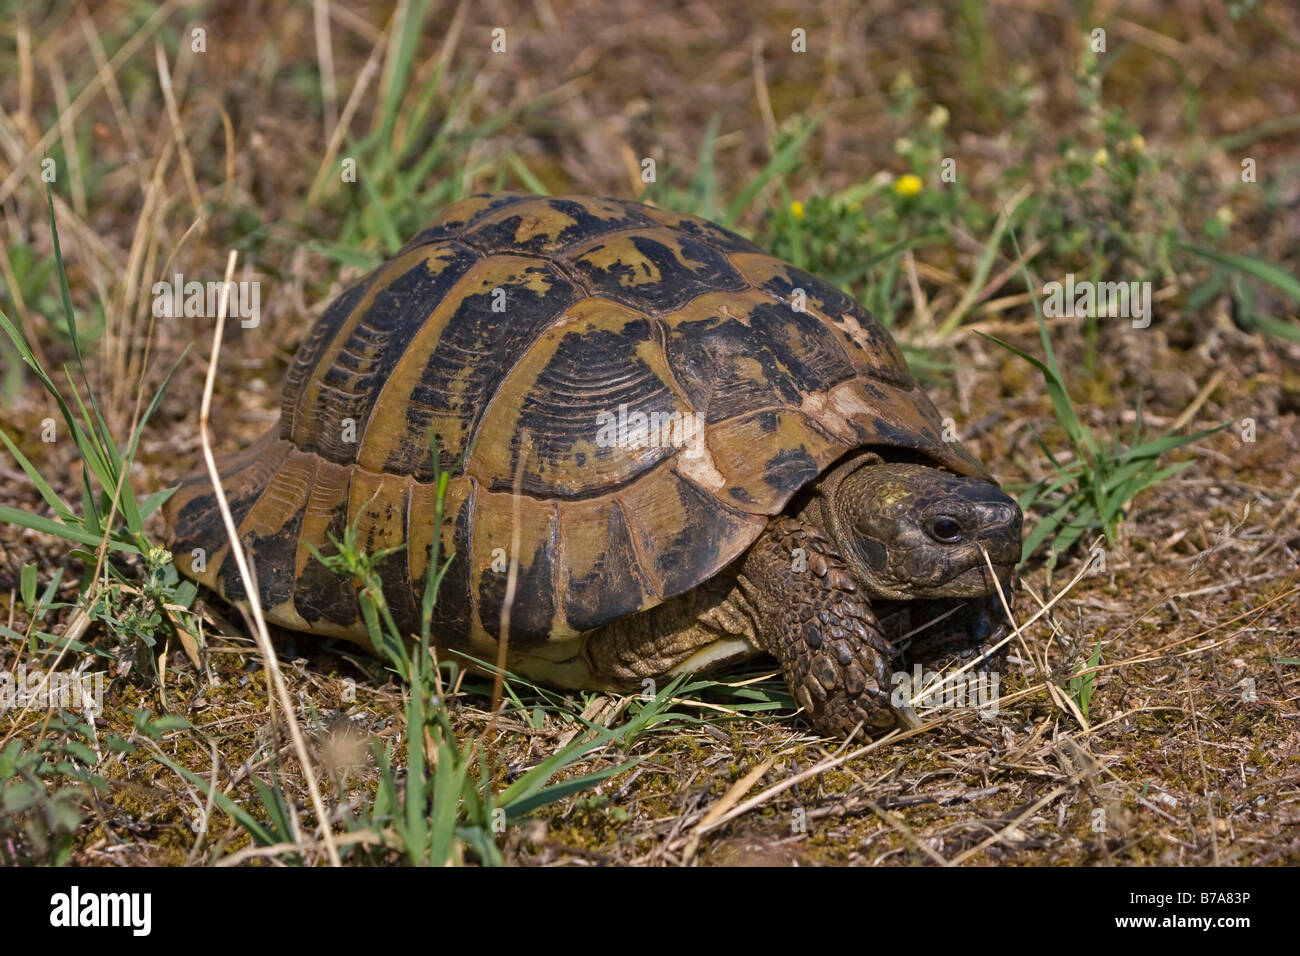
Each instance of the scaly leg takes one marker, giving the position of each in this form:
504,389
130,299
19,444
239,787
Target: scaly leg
820,626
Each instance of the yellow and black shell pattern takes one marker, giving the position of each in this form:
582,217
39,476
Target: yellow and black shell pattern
512,328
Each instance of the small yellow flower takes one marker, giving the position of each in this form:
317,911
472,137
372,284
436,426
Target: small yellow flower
1138,144
1101,157
796,209
1224,215
938,117
908,185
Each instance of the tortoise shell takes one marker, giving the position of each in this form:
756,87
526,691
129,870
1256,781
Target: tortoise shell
520,330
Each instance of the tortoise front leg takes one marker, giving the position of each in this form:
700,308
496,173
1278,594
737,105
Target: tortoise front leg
815,620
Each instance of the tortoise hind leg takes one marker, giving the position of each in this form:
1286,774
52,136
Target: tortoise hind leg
702,630
809,616
814,619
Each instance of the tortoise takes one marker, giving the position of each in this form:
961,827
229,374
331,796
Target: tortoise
706,454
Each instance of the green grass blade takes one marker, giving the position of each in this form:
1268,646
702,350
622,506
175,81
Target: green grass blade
45,525
527,804
531,182
1056,392
57,504
232,809
785,159
1269,272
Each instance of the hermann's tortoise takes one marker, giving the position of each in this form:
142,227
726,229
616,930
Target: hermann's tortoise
717,455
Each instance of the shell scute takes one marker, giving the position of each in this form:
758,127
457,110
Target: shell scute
337,398
562,396
533,615
656,271
548,226
604,575
454,365
736,354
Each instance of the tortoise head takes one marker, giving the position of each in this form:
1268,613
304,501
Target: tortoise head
915,531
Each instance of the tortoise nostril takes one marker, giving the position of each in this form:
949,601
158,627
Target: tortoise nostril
1000,515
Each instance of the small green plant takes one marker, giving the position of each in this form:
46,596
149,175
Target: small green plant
114,513
419,157
139,614
851,239
46,775
703,192
1232,273
856,238
43,784
1091,490
111,515
1081,683
38,609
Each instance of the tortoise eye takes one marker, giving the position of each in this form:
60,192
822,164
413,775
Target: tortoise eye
945,529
